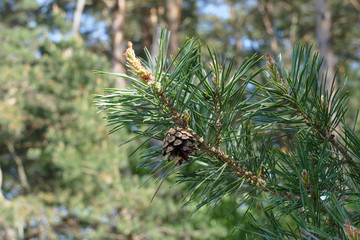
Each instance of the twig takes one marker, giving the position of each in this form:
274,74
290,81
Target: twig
323,134
146,76
180,121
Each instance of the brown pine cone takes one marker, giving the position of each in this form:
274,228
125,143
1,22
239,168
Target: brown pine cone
179,143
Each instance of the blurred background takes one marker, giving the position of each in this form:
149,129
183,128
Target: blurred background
62,176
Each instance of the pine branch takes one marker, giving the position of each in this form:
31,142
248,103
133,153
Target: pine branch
178,120
322,132
236,131
276,76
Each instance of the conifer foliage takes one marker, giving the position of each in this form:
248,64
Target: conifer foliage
271,144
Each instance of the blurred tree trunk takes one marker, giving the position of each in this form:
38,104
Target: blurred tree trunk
1,178
266,9
174,21
146,27
118,40
80,4
20,167
293,30
356,5
7,233
236,25
324,39
158,21
149,22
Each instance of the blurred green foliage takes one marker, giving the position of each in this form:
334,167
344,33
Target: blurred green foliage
82,185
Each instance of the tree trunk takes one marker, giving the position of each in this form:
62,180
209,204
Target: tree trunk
355,4
323,36
20,167
293,31
324,40
1,179
236,25
118,40
174,21
80,4
266,9
148,22
7,233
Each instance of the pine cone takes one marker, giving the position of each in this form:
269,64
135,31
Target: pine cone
179,143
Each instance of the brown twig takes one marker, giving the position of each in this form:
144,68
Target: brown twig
179,120
331,138
275,75
216,152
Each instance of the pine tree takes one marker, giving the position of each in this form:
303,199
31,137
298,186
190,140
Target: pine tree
305,188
